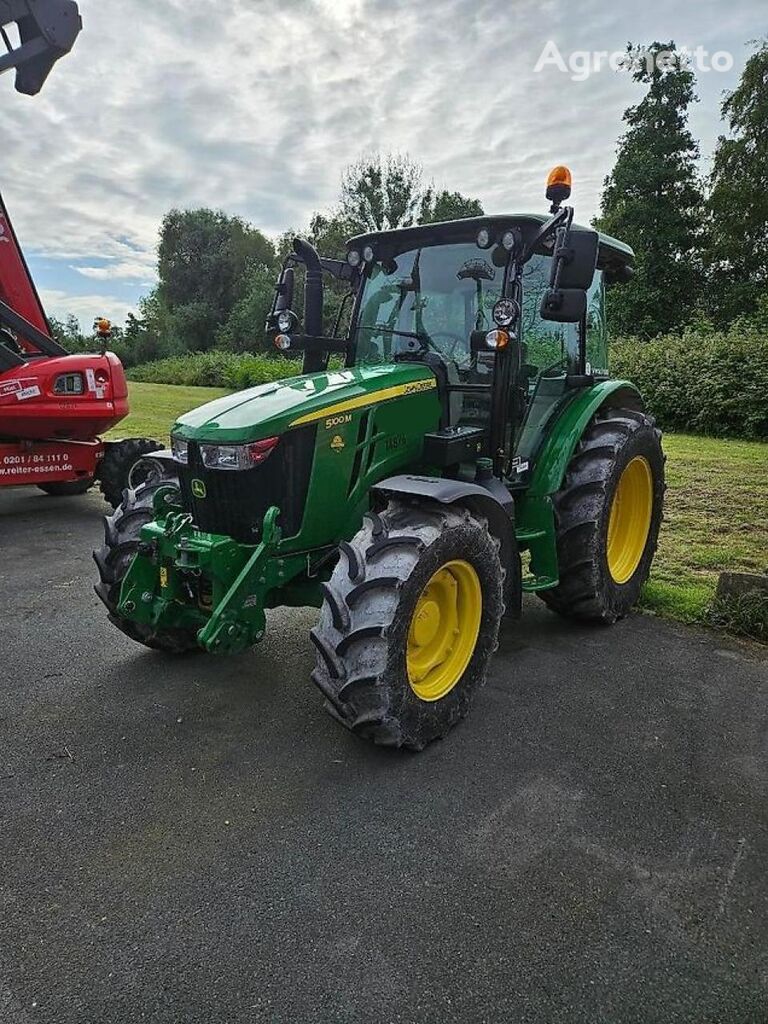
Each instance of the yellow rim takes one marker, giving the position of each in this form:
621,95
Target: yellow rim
630,519
444,630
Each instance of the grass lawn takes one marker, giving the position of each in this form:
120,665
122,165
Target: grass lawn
714,514
714,520
156,407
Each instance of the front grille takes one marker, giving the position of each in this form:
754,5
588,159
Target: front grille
235,501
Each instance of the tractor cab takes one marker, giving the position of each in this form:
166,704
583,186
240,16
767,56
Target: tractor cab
503,309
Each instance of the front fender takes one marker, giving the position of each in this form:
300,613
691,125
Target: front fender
498,510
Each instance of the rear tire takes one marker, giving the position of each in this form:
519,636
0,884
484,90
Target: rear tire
603,567
119,459
402,566
121,540
67,490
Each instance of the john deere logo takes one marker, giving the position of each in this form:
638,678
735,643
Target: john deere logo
337,442
198,489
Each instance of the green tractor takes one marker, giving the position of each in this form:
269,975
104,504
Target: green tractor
459,443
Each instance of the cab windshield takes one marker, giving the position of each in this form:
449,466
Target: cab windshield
428,299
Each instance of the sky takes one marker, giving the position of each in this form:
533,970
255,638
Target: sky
255,107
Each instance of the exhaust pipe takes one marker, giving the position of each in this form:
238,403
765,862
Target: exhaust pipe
313,287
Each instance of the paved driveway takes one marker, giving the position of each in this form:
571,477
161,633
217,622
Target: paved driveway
194,840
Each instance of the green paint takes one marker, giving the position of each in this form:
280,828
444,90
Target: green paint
269,409
367,423
555,424
353,450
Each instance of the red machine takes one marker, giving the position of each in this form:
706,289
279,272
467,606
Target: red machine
53,405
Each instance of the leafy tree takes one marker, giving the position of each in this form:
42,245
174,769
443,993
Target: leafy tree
203,259
737,240
244,329
446,205
68,334
653,200
379,193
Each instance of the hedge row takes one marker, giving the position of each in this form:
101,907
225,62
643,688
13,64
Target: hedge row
703,383
216,369
699,382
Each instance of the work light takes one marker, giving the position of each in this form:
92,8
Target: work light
283,342
483,238
353,258
368,254
286,320
509,240
505,312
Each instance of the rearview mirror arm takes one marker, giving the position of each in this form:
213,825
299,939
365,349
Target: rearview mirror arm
563,217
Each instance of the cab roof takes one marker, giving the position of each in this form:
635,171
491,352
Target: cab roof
611,252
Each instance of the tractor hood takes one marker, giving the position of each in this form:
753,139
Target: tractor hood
271,409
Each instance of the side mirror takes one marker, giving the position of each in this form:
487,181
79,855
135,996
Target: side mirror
576,258
564,305
285,285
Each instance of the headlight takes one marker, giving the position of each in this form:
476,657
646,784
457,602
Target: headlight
283,342
69,384
237,456
368,254
286,320
180,449
353,258
504,312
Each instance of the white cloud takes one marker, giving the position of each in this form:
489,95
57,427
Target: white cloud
256,108
125,270
85,307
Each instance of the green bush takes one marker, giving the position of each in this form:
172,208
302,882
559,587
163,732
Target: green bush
702,381
216,369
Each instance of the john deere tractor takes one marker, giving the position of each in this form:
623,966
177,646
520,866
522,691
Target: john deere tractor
458,443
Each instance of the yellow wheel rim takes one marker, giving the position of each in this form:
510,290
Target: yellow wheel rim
444,630
630,519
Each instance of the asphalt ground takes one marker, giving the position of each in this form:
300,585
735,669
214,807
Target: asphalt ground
195,840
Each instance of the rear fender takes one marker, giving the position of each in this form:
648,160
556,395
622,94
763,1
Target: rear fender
477,499
535,519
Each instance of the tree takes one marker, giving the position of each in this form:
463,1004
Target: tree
379,193
737,240
653,200
244,329
446,205
203,259
68,334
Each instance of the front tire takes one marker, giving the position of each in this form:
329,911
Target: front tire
121,541
608,513
409,622
120,457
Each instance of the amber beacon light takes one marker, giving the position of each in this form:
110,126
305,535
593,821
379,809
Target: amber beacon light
558,186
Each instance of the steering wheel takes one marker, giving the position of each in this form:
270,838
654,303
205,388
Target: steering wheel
458,341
